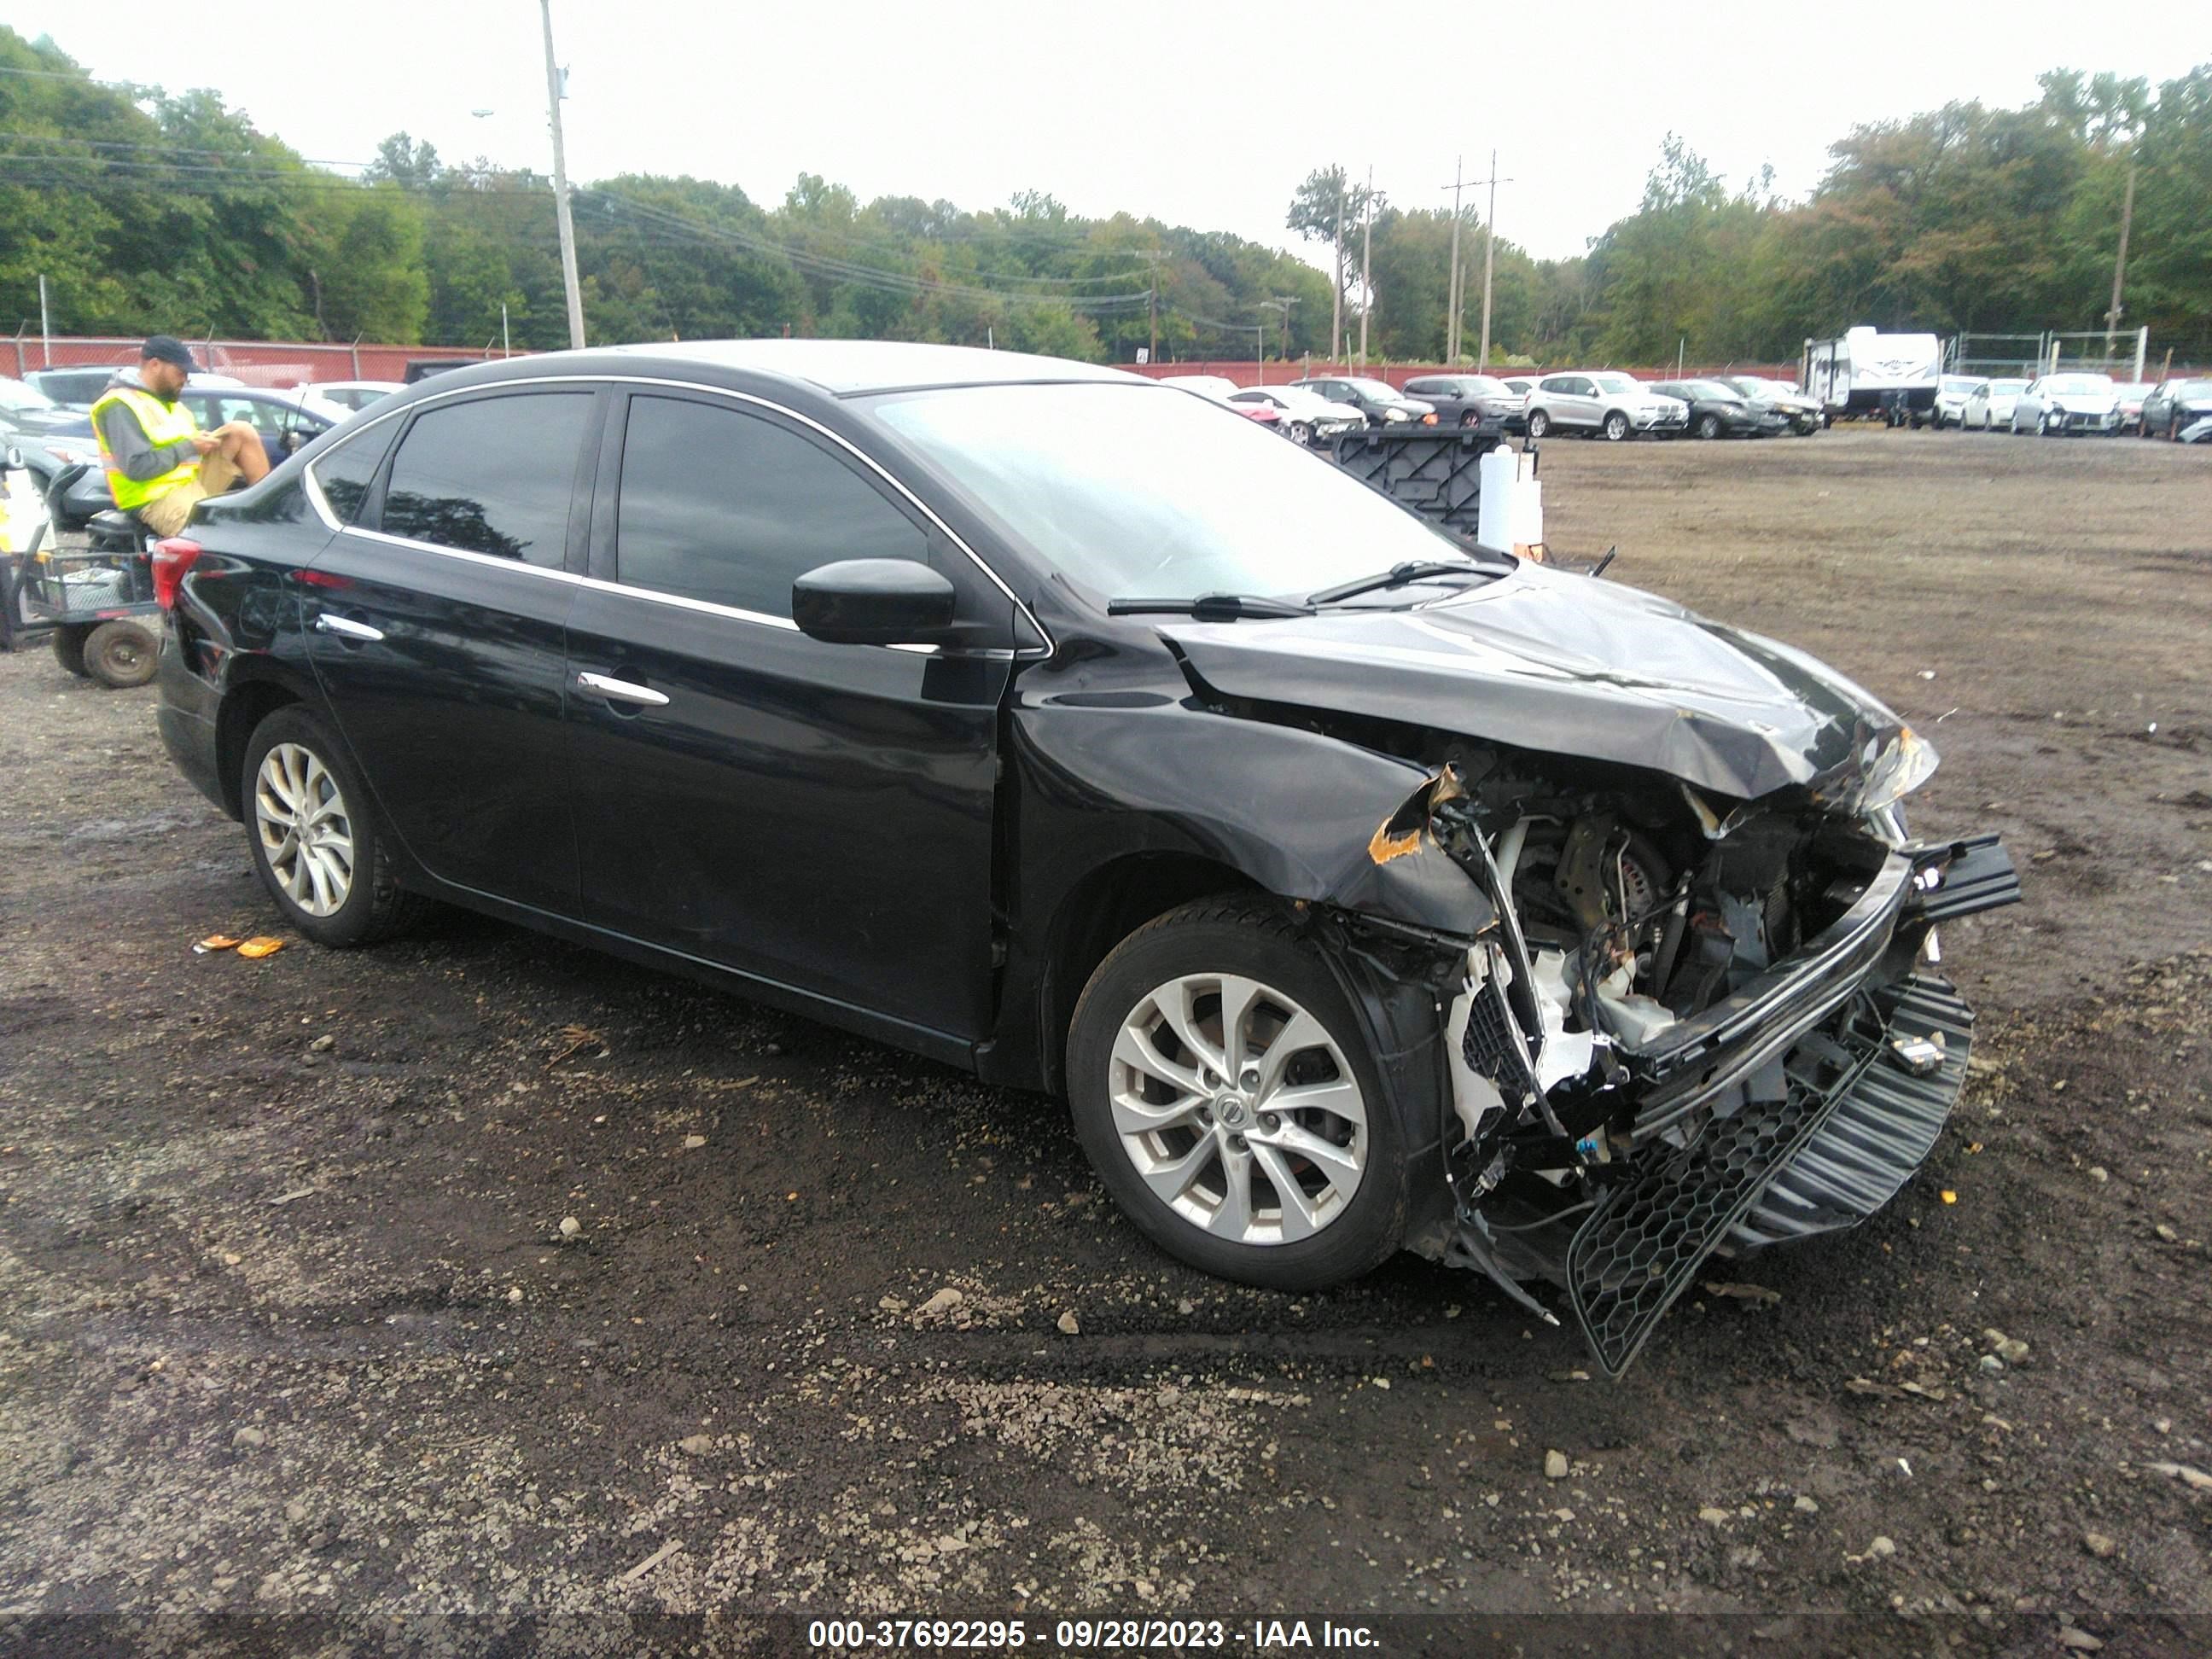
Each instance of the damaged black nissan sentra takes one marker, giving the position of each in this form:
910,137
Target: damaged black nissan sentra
1360,888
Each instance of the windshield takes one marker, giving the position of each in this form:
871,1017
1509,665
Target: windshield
2078,385
1716,391
1617,383
1483,386
14,394
1133,495
2008,386
1959,384
1381,389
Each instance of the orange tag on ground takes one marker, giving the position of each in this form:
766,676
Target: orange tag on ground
215,942
261,946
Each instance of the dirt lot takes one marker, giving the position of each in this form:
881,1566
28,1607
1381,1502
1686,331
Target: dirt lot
288,1323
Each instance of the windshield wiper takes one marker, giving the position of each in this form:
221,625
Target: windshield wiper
1211,607
1412,570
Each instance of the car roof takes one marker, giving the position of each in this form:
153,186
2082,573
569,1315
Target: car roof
846,367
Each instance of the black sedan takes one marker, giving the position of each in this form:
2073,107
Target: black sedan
1717,410
1470,399
1359,889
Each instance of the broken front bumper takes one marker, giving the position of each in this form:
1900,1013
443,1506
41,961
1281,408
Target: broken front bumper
1786,1109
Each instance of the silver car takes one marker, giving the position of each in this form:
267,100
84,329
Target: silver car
1990,406
1618,405
2058,403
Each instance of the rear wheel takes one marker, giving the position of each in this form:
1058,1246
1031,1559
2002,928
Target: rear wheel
1616,427
1539,423
314,837
1222,1087
120,654
69,648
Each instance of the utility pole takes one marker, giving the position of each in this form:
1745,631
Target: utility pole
1366,262
45,324
2120,264
1489,251
1282,302
1260,346
1336,304
1153,263
561,188
1451,288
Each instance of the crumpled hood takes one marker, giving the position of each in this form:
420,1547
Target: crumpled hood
1552,662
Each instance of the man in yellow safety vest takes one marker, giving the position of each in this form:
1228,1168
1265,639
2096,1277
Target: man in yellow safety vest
159,462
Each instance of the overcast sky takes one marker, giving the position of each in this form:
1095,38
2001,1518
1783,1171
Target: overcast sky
1200,112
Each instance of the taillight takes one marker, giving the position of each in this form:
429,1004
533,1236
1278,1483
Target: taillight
1429,419
172,556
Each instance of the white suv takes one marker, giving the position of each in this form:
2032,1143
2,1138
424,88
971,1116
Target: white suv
1617,404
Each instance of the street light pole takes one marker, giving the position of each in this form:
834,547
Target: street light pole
560,189
1489,252
1366,262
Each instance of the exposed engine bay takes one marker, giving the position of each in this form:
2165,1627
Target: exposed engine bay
1670,980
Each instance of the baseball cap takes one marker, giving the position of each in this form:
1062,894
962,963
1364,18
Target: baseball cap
169,350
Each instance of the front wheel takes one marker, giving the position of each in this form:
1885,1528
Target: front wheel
1709,426
1539,423
1616,427
1222,1087
1301,434
314,837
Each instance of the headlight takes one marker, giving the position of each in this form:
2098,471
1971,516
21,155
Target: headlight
1909,762
1395,414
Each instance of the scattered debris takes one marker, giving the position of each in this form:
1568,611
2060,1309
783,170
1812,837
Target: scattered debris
1714,1518
692,1143
248,1436
2194,1479
1752,1293
577,1037
1881,1550
258,946
944,1301
695,1445
323,1044
2074,1637
1555,1466
2099,1546
514,1294
294,1196
652,1561
214,942
1068,1324
570,1226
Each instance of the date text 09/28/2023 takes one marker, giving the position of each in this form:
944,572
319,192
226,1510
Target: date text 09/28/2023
1088,1635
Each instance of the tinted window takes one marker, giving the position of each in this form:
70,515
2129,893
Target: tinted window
490,476
726,507
345,472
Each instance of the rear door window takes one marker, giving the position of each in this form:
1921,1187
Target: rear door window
494,475
730,508
344,475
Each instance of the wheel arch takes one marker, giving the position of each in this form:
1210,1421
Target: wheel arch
255,692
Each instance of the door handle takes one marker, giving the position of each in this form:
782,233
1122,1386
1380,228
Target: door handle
346,629
619,690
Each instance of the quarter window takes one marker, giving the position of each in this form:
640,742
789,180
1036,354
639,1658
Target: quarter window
723,505
494,475
345,473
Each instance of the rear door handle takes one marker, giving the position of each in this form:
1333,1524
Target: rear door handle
616,690
346,629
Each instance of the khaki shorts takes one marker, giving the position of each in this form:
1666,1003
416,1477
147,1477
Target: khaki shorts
165,515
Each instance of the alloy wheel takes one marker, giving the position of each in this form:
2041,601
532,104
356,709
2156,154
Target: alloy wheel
1238,1109
305,830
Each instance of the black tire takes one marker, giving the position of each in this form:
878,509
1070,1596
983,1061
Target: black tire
1616,428
375,907
1301,434
1539,423
69,648
1255,939
121,654
1709,427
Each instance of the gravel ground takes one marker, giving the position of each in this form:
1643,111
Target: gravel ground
479,1274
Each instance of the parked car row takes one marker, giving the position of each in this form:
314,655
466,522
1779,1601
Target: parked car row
2057,405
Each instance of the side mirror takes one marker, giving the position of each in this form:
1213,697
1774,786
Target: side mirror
13,459
872,602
